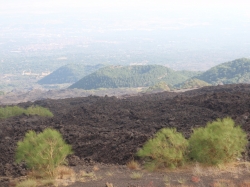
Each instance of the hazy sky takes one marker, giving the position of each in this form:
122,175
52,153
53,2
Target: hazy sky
46,6
211,25
190,12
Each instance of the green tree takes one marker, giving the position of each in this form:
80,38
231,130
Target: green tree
217,143
43,152
166,149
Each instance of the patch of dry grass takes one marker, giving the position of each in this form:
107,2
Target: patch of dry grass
234,169
96,168
109,184
133,165
166,180
65,176
182,180
87,176
136,175
47,182
27,183
109,173
64,172
197,170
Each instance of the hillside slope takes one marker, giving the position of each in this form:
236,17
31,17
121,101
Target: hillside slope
193,83
130,76
159,87
69,73
237,71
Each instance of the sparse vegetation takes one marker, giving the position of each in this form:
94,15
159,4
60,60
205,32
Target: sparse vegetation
133,165
109,184
43,152
64,172
166,180
167,149
10,111
197,170
33,182
136,175
86,176
27,183
95,168
46,182
110,173
217,143
181,180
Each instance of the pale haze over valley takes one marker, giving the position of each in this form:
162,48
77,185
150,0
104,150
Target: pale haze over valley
191,35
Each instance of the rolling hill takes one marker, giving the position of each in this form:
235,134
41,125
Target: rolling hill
193,83
69,73
237,71
131,76
159,87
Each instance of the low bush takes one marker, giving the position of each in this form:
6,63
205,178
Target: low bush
38,110
217,143
43,152
167,149
10,111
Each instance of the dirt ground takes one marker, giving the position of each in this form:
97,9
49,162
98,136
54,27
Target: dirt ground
195,175
110,130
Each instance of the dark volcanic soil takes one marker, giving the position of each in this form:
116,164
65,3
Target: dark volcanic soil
110,130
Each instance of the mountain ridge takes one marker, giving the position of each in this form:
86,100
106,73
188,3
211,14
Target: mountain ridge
130,76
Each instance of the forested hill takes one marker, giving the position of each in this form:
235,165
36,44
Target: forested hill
69,73
131,76
237,71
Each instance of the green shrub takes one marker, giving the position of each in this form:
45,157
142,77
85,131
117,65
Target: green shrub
38,110
43,152
166,149
10,111
217,143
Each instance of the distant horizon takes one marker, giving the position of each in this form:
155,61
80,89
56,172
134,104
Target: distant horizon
180,34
